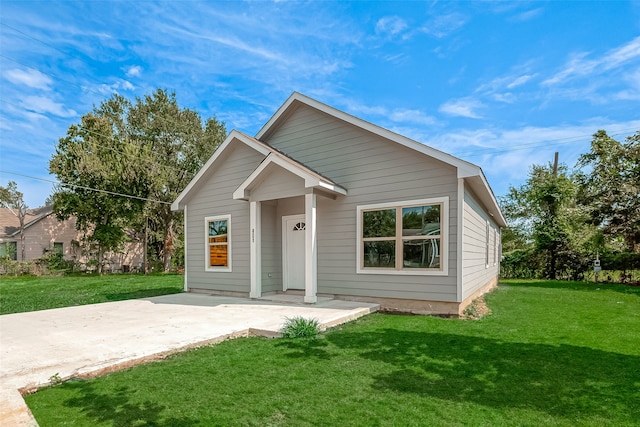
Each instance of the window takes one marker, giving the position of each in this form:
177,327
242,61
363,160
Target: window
58,247
495,247
9,250
486,252
405,237
218,243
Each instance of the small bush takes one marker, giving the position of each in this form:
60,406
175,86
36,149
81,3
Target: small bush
299,327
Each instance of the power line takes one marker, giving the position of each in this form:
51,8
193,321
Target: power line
32,38
113,193
113,138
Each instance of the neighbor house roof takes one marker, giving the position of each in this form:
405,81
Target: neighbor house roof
471,173
10,224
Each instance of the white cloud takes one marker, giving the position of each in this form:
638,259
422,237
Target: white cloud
579,66
119,84
390,25
528,15
134,71
519,81
31,78
43,105
412,116
464,107
443,25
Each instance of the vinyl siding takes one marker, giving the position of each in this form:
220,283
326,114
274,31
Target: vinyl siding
271,249
476,273
214,196
373,170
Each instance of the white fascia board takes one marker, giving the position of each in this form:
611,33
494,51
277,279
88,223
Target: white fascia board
234,135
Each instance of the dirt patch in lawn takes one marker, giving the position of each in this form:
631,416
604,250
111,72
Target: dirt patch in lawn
476,310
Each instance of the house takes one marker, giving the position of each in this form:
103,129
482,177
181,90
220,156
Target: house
44,233
320,202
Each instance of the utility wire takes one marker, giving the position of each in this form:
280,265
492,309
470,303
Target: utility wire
33,38
86,188
113,138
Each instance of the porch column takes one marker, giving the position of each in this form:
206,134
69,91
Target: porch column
311,249
256,249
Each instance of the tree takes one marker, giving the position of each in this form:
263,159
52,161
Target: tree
176,146
611,184
544,208
13,200
96,155
148,149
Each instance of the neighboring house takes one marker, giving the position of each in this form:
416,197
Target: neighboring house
44,233
320,202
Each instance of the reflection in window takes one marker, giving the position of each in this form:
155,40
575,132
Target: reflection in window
218,241
402,237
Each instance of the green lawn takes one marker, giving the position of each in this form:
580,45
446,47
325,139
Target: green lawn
29,293
550,354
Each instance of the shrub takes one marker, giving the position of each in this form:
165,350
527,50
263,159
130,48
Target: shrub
299,327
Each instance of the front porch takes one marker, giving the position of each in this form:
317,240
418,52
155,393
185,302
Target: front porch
283,194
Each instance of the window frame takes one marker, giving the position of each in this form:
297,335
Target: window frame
12,255
444,238
207,245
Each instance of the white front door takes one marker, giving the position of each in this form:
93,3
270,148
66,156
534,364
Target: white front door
293,232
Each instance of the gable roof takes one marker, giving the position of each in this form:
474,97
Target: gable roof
10,224
471,173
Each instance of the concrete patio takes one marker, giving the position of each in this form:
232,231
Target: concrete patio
92,340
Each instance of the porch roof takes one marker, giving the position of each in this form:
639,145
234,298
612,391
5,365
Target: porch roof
311,178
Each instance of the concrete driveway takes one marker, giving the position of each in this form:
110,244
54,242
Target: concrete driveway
95,339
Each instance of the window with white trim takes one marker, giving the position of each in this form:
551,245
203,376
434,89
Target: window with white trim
404,237
218,243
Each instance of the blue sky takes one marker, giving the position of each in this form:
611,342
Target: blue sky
500,84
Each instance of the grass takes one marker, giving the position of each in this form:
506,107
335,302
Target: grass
30,293
550,354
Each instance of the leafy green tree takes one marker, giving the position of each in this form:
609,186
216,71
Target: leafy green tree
13,200
97,155
544,209
176,144
148,149
609,185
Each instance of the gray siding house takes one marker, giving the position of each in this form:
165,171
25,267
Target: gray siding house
320,203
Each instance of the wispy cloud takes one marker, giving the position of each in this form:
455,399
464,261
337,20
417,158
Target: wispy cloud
28,77
580,65
43,105
412,116
464,107
441,26
527,15
390,26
